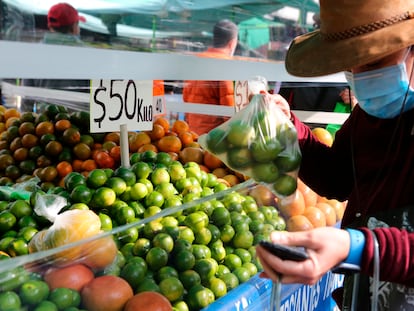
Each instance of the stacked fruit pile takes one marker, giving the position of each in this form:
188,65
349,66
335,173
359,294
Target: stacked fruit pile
192,257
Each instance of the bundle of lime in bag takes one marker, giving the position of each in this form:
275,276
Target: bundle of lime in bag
259,142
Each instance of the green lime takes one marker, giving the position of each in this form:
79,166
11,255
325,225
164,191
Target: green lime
154,198
138,191
134,272
27,233
189,278
96,178
265,150
243,239
186,234
46,305
117,184
125,215
199,297
141,169
220,216
184,260
240,134
33,292
230,280
288,163
250,267
106,222
265,172
156,258
103,197
227,233
141,247
81,194
73,179
218,287
172,288
10,301
160,175
18,247
129,235
134,158
232,261
218,252
203,236
177,172
201,251
149,156
216,140
242,274
7,221
239,158
164,241
206,268
285,185
20,208
127,174
163,158
65,298
222,269
243,254
148,284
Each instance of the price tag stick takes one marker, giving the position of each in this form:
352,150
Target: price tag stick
124,146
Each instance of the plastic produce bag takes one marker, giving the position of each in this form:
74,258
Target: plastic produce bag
259,142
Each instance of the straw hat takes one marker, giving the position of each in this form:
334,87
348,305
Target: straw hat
352,33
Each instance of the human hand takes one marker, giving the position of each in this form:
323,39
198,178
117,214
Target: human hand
326,246
348,97
279,101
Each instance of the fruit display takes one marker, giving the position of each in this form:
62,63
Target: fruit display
177,228
259,142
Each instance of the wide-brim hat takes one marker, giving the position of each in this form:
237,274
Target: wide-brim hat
352,33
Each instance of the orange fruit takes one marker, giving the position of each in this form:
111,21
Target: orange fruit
106,293
115,153
157,132
323,135
45,127
163,122
113,136
53,148
169,144
75,277
99,253
310,196
231,179
339,208
211,161
329,211
315,216
220,172
298,223
82,151
180,126
11,112
191,154
64,168
89,165
62,125
136,140
262,195
148,301
147,147
186,137
26,128
77,165
292,205
12,121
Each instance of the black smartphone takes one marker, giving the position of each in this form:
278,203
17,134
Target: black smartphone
285,252
346,268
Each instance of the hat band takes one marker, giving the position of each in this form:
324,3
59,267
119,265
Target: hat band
367,28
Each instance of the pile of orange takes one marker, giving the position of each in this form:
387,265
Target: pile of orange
305,209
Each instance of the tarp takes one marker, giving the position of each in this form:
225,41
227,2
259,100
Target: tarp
255,31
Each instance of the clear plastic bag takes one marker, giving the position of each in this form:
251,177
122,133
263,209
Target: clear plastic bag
259,142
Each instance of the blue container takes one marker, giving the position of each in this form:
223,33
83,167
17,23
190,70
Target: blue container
255,295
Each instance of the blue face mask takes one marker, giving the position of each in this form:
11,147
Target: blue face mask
381,92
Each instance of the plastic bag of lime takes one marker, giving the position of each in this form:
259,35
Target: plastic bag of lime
260,142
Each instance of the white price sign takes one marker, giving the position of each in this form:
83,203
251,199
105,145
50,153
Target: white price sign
116,102
241,94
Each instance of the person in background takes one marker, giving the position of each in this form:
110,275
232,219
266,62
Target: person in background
63,23
370,163
225,38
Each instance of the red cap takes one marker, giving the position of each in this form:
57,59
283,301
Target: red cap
63,14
